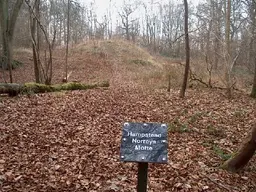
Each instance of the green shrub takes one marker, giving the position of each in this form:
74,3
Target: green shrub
211,130
221,153
141,62
177,127
195,117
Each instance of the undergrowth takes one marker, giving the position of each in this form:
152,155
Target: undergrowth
221,153
177,127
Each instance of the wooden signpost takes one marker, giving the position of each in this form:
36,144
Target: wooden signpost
144,143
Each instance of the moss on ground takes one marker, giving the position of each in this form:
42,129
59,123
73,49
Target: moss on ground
37,88
42,88
73,86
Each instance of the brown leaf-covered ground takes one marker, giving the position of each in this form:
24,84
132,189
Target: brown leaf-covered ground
69,141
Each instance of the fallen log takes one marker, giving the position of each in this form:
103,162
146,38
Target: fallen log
13,89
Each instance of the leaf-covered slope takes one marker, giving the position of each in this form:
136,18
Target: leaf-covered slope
70,141
117,61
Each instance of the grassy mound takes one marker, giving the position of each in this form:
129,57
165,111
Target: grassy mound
128,52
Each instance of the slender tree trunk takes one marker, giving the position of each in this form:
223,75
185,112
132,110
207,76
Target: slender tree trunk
243,156
66,62
169,83
110,23
252,57
8,22
185,80
3,34
6,64
127,29
38,40
253,93
65,32
228,50
208,59
217,18
154,36
35,44
9,56
60,33
47,70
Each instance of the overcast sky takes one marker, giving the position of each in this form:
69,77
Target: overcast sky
102,5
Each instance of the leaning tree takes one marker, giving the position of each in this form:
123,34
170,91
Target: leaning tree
244,154
252,13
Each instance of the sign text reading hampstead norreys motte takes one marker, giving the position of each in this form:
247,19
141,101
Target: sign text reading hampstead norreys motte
139,142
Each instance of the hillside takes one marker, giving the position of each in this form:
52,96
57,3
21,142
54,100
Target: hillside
125,64
120,62
70,141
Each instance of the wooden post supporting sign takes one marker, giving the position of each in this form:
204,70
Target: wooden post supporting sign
142,177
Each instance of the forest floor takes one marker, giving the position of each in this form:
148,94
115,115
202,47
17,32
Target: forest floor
70,141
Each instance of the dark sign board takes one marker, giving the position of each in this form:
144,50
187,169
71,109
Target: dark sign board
144,142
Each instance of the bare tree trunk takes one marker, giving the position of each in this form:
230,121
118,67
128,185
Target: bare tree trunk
9,55
127,29
66,61
110,23
38,40
8,22
228,50
48,71
252,57
35,56
253,93
185,80
243,156
154,36
169,83
217,18
35,42
4,26
208,59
